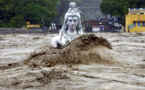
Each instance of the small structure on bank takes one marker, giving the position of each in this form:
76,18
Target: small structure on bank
71,28
30,26
135,20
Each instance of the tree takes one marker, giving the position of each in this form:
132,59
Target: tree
5,12
15,13
33,12
37,10
120,7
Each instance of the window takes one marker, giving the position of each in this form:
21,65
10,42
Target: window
139,24
143,23
134,23
141,13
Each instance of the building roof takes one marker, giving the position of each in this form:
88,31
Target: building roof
136,11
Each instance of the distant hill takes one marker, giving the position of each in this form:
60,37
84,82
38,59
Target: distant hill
88,3
90,8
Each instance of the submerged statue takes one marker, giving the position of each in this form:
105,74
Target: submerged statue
71,28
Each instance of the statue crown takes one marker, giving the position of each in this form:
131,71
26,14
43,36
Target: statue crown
72,11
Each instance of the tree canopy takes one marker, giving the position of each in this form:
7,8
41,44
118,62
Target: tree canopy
15,13
120,7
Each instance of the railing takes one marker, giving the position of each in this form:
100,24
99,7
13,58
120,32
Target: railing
136,9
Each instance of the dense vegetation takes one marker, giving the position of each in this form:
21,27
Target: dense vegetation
120,7
15,13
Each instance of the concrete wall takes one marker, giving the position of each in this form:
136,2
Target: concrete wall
21,31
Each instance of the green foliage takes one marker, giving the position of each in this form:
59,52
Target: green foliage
120,7
17,21
15,13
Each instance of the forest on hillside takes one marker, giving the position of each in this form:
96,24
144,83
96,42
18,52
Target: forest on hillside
15,13
120,7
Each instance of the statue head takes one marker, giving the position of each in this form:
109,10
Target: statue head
72,20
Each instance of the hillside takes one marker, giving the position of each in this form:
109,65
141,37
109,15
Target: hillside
88,3
90,8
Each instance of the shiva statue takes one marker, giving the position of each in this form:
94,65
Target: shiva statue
71,29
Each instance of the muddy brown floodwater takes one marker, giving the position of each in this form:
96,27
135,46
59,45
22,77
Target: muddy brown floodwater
101,61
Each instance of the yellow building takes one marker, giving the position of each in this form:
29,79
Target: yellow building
29,25
135,20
